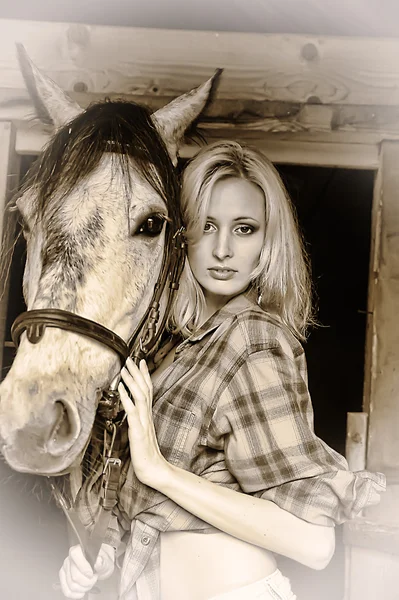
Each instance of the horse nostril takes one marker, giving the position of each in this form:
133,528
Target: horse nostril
65,429
62,427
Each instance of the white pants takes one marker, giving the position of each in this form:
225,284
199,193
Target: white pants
272,587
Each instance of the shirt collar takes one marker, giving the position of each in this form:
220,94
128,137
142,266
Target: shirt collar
229,310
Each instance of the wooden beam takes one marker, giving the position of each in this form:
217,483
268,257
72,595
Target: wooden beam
263,67
283,151
9,178
282,120
9,167
372,575
383,445
375,248
383,537
31,139
356,440
313,153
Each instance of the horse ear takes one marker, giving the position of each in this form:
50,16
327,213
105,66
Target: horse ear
173,119
52,105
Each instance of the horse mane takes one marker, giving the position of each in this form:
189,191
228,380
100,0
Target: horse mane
121,127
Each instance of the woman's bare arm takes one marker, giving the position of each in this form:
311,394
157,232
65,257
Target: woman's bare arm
251,519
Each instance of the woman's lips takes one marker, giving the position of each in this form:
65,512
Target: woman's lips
222,274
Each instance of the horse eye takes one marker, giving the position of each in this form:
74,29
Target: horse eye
152,226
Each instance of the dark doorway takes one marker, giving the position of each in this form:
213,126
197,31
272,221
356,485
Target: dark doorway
16,303
334,211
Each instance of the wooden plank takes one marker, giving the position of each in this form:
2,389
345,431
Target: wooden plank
363,533
9,177
347,156
373,575
374,555
356,440
383,443
32,137
30,140
282,120
375,249
289,68
266,116
9,167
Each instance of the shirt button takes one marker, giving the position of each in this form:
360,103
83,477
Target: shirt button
145,540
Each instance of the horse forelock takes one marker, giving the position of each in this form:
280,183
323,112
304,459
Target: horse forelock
122,128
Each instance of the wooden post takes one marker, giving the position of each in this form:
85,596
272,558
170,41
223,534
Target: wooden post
383,447
9,177
356,440
373,541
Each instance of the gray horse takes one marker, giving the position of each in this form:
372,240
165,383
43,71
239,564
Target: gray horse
94,216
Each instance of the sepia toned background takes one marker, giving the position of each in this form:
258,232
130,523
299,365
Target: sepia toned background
334,201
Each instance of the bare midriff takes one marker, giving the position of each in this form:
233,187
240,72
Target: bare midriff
199,566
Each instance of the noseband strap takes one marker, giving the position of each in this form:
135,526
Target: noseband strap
34,322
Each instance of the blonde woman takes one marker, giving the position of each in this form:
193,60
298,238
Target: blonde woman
226,471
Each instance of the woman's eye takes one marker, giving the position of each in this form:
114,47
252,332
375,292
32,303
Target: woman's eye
245,229
152,226
208,227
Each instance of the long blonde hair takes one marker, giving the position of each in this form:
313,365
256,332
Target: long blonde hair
281,279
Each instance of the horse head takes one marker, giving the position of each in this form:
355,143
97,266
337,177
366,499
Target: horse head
95,213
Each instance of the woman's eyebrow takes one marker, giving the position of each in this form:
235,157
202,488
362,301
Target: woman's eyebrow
246,218
241,218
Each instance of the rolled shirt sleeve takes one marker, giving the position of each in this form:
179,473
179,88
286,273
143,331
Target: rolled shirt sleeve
265,416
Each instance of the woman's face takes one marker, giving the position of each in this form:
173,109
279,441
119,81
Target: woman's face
228,251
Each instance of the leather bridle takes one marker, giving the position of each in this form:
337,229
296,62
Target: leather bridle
142,341
34,322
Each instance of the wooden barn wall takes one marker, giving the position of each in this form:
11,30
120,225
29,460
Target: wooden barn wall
324,101
276,87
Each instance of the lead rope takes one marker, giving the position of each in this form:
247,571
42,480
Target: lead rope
91,544
109,493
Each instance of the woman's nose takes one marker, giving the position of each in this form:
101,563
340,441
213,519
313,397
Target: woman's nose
223,247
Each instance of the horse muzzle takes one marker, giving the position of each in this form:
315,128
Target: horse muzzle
49,441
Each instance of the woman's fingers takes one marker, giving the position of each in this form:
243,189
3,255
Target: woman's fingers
144,450
76,574
79,572
146,374
127,403
79,562
138,382
137,374
138,389
105,562
66,588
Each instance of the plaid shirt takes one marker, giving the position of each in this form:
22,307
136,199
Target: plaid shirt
235,408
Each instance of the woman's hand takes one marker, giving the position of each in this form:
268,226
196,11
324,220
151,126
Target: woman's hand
76,575
146,457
